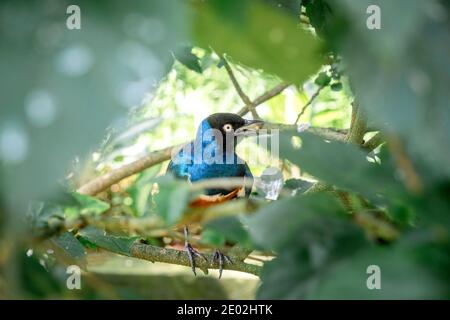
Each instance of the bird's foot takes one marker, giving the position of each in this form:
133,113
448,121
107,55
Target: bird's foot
191,252
221,259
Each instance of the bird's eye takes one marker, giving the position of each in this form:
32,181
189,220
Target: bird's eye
228,127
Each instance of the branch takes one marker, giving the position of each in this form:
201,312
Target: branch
358,126
145,251
172,256
411,178
264,97
100,183
308,103
113,224
239,90
373,142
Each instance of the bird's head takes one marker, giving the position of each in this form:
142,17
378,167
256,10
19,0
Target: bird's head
233,124
226,127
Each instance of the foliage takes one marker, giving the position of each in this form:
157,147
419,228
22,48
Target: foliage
343,207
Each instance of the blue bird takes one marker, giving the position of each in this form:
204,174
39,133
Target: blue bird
213,155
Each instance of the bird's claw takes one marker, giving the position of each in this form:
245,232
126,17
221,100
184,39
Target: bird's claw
221,259
192,254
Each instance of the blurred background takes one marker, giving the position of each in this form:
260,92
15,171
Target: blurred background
90,87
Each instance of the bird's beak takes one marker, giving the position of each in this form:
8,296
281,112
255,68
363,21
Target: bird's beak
250,128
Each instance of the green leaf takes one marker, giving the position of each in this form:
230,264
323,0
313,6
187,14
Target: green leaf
259,37
172,198
66,87
213,238
400,75
297,185
339,271
402,277
318,11
282,222
308,235
337,86
323,79
232,229
34,279
185,56
89,205
120,245
42,217
141,190
70,244
341,164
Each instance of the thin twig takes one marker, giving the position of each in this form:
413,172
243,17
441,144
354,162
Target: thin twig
308,103
373,142
264,97
412,179
239,90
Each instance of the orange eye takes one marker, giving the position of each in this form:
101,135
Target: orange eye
228,127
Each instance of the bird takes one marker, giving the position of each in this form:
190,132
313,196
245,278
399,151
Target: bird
212,154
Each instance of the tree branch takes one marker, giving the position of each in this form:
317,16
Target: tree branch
373,142
264,97
358,126
244,97
308,103
144,251
411,178
173,256
102,182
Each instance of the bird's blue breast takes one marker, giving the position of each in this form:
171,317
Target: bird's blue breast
200,160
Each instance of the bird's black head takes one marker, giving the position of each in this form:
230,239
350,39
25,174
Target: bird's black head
231,123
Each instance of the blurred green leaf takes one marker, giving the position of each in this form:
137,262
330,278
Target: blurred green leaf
71,245
232,230
282,222
120,245
308,234
402,277
90,205
337,86
34,279
295,275
212,237
185,56
341,164
65,86
259,37
297,185
141,190
172,198
323,79
318,12
406,92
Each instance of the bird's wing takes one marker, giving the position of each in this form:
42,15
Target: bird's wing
206,201
180,164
